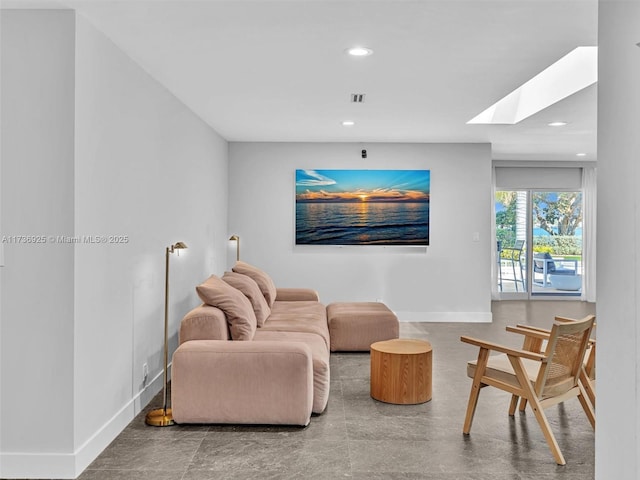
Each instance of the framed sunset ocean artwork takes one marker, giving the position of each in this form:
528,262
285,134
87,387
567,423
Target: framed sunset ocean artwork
362,207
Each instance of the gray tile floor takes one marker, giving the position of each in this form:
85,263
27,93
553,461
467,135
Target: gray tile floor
360,438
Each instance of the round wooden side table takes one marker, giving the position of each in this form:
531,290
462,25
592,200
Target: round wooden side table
401,371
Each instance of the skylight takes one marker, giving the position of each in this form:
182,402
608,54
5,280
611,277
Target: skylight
573,72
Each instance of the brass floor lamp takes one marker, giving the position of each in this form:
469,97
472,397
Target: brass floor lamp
162,417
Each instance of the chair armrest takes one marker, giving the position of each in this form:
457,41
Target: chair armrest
534,337
296,295
502,349
526,330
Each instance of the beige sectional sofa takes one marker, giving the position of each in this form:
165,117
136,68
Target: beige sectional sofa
251,353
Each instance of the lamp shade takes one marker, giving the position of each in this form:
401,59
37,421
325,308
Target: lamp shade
236,238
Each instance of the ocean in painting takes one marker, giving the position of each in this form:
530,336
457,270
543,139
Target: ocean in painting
362,223
362,207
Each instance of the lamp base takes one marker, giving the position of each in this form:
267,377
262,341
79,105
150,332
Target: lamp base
159,418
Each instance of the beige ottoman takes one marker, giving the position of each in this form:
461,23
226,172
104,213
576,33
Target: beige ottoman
354,326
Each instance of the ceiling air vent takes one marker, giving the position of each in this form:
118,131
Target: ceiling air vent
357,98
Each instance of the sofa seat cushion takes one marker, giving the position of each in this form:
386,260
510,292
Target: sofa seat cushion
264,281
301,316
250,289
236,307
320,356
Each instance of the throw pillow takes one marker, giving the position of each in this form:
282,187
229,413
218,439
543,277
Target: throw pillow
236,307
250,289
267,287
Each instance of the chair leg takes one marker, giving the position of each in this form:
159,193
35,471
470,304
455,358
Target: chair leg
532,397
523,404
546,431
513,405
587,383
586,405
483,357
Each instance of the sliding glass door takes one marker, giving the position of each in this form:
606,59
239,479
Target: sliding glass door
539,243
557,243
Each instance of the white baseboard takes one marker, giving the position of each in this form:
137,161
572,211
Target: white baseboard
38,465
453,317
42,465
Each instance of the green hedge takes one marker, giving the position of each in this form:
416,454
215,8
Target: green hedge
507,237
554,244
558,244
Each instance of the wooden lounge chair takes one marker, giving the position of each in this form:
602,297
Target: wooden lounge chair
535,341
541,379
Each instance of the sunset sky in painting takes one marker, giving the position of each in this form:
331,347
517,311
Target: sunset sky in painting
362,185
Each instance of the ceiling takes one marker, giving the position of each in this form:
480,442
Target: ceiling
268,70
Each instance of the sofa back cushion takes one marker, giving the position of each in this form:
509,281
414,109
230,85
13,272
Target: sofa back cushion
236,307
267,287
250,289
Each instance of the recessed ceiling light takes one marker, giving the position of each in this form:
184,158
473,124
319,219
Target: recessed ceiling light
359,51
557,124
348,123
581,154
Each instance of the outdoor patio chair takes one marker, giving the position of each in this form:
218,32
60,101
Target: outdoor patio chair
539,260
514,255
542,379
545,264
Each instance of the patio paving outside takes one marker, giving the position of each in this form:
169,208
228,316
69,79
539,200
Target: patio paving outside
514,284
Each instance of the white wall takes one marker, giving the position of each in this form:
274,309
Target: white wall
144,167
147,168
618,413
36,329
451,281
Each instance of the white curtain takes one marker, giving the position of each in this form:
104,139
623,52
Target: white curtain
522,206
495,291
589,202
